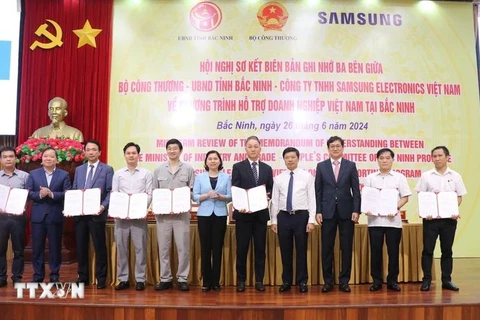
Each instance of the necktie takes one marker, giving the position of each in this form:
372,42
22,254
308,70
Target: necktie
290,192
89,182
337,169
255,172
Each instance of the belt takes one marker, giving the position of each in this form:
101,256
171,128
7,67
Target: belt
293,212
10,215
15,215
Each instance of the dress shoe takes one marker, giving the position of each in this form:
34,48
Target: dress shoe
140,286
54,279
376,287
85,282
37,280
303,288
394,287
216,288
3,283
327,287
259,286
206,287
183,286
285,287
241,286
101,285
122,285
164,286
450,286
425,285
344,287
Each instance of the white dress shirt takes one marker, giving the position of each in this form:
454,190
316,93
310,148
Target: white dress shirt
333,164
258,166
433,181
139,180
391,180
303,195
95,166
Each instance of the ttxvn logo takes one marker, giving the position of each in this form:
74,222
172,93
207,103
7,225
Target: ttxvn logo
52,290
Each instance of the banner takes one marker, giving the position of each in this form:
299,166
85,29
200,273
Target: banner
400,75
9,44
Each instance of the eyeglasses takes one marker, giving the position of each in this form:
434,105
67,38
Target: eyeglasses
335,146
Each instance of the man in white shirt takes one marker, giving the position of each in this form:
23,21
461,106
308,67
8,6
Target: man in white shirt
132,179
293,217
441,178
386,227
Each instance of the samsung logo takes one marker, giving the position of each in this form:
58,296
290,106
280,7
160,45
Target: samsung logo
360,18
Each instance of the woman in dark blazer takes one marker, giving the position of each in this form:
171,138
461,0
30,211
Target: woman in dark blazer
212,190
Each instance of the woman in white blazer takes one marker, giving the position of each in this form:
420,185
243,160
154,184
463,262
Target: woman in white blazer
212,190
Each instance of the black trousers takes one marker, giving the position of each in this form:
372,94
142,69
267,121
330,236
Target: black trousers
212,236
329,232
244,231
392,237
40,232
12,226
84,226
292,227
445,228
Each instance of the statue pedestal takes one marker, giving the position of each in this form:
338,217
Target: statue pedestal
69,244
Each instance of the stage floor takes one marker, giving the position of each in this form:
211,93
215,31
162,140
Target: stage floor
410,303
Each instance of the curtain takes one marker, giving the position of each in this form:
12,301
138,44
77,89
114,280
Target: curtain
79,75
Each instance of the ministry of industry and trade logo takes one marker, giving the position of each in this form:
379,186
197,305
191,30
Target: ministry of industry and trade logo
272,16
205,16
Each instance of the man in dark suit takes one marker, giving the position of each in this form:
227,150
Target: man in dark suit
47,188
338,204
248,174
93,174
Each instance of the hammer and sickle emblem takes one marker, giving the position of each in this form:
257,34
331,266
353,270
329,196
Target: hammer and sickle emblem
54,40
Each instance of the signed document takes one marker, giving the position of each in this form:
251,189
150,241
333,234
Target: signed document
13,200
128,206
438,205
379,202
251,200
82,202
171,201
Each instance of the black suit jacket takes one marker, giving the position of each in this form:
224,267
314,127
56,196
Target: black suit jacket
101,179
40,206
242,177
343,194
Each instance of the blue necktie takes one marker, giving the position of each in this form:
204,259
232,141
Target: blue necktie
89,182
255,172
290,192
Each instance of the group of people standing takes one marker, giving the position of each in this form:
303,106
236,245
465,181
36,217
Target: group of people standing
331,198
